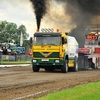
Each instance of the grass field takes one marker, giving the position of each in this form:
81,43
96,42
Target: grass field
15,62
89,91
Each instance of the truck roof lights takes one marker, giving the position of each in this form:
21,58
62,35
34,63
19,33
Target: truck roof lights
47,30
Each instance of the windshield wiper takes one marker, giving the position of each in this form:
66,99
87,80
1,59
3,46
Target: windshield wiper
45,44
50,44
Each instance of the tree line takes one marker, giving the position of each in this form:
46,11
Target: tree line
10,33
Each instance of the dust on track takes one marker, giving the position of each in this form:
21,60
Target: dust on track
21,81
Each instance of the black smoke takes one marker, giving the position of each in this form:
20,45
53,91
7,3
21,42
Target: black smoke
82,13
40,9
79,34
90,6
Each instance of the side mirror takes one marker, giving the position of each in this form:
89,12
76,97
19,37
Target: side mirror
66,33
65,40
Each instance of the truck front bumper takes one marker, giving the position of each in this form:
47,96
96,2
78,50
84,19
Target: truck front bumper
47,62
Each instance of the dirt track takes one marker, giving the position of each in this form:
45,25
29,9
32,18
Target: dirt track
21,81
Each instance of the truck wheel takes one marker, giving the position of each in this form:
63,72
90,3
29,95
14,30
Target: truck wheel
64,68
75,69
35,68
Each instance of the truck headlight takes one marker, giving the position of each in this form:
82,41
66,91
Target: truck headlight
34,61
56,61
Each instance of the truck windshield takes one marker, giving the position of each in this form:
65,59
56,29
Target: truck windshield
47,41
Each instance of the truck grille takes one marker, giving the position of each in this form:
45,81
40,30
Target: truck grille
52,55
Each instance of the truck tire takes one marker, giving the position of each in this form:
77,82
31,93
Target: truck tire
75,69
64,68
35,68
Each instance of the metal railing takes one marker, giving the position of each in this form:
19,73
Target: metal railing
15,58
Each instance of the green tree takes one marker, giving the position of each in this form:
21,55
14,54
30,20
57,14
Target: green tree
26,45
10,32
22,29
3,37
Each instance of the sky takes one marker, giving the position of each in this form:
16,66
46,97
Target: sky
59,15
18,12
22,12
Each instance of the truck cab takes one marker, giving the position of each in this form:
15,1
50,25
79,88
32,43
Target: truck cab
52,50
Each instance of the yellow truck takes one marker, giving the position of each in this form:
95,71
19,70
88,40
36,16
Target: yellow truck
54,50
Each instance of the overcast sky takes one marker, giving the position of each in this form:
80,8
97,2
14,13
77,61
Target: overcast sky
21,12
18,12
